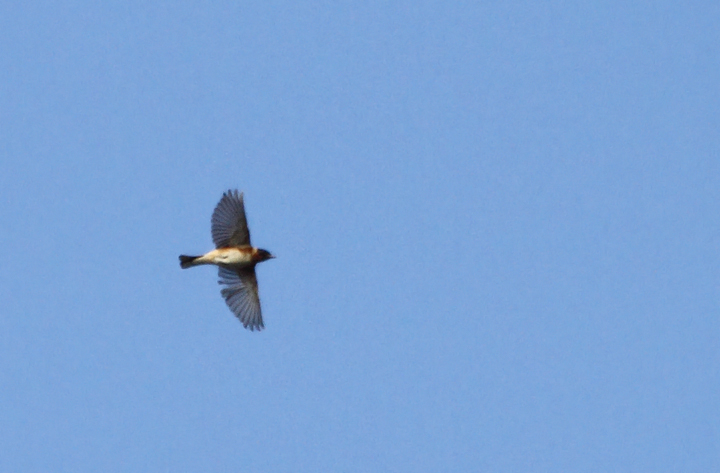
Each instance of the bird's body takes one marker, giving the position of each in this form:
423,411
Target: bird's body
237,256
236,259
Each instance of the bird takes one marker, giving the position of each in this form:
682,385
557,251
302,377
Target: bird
235,258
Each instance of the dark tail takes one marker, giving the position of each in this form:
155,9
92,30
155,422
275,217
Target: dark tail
187,261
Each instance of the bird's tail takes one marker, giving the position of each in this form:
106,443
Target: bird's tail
187,261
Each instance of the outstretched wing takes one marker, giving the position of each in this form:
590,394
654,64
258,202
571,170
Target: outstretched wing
229,225
241,295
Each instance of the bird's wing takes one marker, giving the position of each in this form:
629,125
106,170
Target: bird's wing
241,295
229,225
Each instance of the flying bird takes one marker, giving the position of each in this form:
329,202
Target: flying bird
235,258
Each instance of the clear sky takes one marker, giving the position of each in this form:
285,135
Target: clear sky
496,229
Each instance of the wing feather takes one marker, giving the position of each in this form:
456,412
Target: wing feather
229,224
241,296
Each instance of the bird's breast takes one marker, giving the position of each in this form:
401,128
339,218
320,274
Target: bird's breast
234,256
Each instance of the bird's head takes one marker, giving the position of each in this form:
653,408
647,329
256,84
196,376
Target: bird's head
263,255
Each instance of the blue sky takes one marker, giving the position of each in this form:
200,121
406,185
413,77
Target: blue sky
496,229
